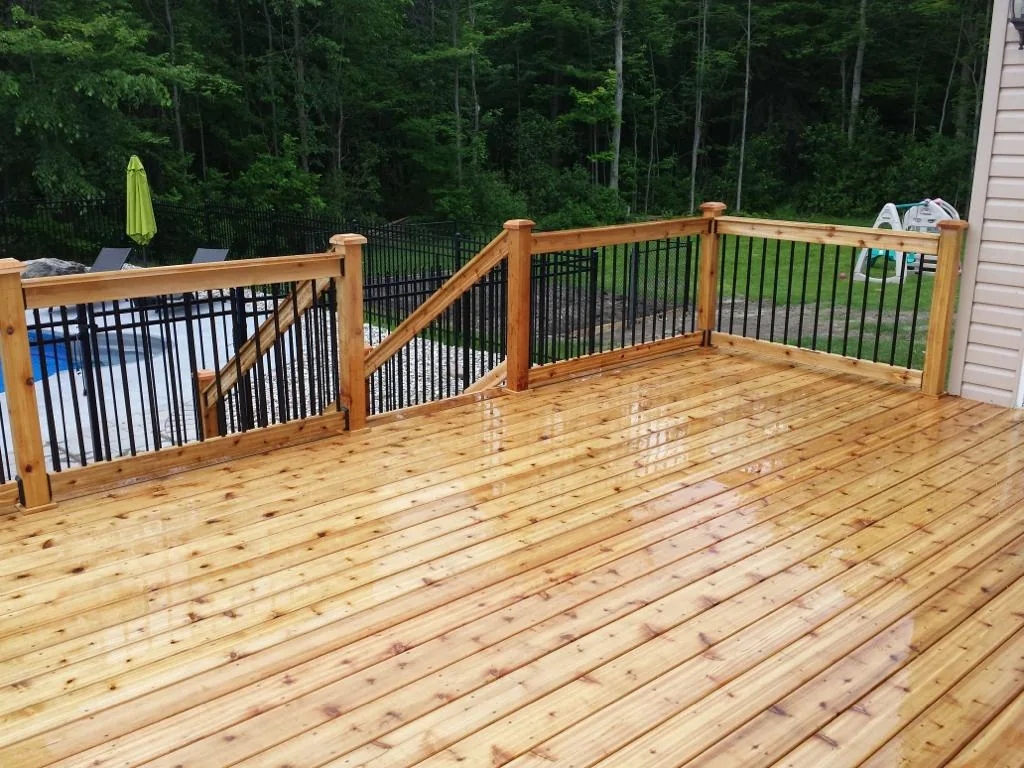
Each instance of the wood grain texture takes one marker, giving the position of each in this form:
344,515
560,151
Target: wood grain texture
708,270
67,290
23,413
352,354
518,321
492,378
940,318
595,237
829,234
818,359
701,559
550,373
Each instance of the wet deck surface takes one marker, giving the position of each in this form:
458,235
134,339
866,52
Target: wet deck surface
705,560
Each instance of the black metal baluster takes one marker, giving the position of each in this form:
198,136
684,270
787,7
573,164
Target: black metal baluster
789,291
803,296
69,351
760,288
896,316
863,311
775,288
125,389
881,307
913,319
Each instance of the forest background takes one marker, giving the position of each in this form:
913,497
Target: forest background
572,112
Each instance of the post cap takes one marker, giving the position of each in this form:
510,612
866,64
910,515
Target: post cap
514,224
11,266
712,210
952,224
349,239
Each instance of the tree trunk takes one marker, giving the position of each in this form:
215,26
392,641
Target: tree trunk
613,179
300,87
175,95
456,105
842,92
271,81
338,136
949,80
653,145
963,100
858,70
202,138
698,112
472,72
746,109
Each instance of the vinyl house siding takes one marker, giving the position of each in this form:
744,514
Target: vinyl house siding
988,348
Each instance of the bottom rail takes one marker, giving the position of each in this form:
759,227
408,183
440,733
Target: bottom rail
818,359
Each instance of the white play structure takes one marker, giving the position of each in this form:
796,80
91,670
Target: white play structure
923,216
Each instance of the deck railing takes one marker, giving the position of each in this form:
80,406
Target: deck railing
200,363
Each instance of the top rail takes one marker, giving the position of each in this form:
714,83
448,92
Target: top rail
66,290
594,237
830,234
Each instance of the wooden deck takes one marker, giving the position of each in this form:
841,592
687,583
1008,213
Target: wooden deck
702,560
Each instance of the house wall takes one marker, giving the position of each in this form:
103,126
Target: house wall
988,349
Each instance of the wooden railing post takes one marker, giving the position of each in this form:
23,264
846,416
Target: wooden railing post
351,355
16,362
520,245
207,410
940,318
707,280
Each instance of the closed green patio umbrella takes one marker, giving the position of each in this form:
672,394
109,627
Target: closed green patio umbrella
140,222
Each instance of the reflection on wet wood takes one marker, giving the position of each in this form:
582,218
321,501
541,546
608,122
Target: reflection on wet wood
703,559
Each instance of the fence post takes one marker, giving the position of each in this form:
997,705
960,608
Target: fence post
707,280
351,357
16,362
940,318
208,413
520,245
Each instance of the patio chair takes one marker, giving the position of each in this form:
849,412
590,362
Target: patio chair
111,259
209,255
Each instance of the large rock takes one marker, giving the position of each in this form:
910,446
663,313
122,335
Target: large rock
51,267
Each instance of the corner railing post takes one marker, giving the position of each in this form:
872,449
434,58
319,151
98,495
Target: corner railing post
520,245
940,317
16,362
707,280
351,356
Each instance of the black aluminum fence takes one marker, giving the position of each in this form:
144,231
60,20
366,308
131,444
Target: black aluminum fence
119,378
815,297
75,230
601,299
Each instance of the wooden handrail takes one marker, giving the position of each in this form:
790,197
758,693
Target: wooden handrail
488,258
594,237
492,378
67,290
276,325
830,234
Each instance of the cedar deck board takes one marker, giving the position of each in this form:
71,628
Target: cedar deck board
463,596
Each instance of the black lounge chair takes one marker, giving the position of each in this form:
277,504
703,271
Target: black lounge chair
209,255
111,259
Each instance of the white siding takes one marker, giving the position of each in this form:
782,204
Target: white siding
989,344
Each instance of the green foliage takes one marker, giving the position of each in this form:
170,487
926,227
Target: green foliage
350,105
